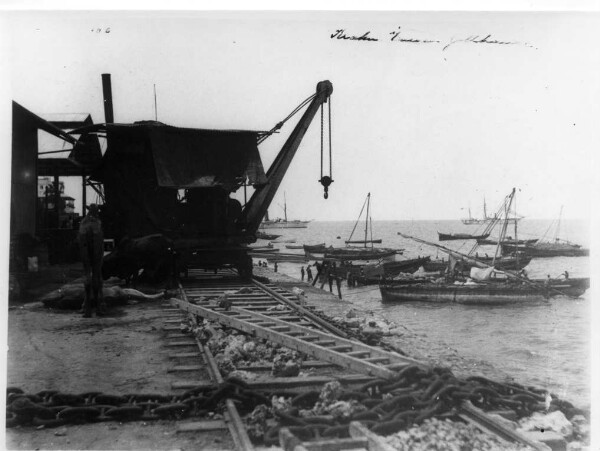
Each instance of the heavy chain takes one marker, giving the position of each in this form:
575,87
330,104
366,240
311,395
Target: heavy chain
51,408
417,395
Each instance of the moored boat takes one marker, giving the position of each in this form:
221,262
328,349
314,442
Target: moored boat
304,246
266,236
488,293
461,236
546,250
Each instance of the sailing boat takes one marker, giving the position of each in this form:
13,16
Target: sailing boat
483,289
367,220
554,248
283,223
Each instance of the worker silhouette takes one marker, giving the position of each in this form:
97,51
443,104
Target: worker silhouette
309,276
302,273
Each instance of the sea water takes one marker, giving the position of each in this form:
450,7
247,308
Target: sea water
546,344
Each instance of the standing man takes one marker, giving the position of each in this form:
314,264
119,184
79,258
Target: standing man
302,273
338,282
91,247
309,276
275,267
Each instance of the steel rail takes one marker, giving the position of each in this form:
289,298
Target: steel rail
303,311
260,325
236,426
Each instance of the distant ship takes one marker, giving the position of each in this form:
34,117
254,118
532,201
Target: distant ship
283,223
486,219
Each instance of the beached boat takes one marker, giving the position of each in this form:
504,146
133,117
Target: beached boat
488,293
314,247
303,246
281,257
374,273
266,236
461,236
358,254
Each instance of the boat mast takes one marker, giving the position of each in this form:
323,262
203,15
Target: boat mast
516,236
504,226
284,208
484,209
367,218
558,225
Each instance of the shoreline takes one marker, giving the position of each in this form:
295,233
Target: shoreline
398,337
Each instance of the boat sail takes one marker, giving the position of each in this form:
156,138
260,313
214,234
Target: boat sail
283,223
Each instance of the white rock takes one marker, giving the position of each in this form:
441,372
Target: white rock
553,421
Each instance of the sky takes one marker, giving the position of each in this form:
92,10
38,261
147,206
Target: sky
428,128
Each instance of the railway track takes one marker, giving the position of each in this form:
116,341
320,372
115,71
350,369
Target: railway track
269,312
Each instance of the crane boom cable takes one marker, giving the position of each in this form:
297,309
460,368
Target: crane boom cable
321,141
330,146
289,116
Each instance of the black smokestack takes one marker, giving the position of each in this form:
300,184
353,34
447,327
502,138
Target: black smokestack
107,92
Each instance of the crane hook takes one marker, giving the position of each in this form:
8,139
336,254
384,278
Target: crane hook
326,181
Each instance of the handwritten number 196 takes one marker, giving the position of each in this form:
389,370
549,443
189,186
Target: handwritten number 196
101,30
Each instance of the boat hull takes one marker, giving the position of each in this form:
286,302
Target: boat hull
541,251
480,294
284,225
460,236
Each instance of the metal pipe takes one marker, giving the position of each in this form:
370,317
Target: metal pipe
107,93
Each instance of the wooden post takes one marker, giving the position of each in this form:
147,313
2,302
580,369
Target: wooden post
57,199
83,195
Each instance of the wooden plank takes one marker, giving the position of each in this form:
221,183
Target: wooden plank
481,420
337,444
374,441
269,366
375,352
185,368
289,442
265,383
299,344
171,336
171,328
175,344
185,355
202,426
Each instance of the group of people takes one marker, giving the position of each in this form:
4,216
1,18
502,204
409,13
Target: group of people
308,272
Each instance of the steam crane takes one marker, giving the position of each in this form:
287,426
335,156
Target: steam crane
177,182
259,203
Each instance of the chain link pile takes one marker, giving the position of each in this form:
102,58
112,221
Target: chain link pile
416,395
50,408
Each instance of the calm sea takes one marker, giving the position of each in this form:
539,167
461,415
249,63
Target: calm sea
545,344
